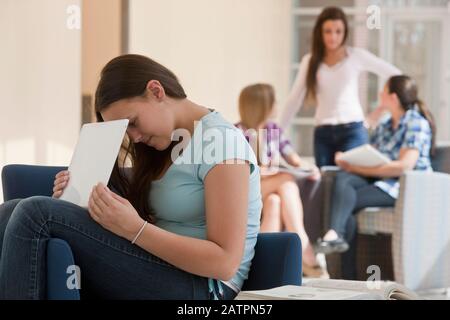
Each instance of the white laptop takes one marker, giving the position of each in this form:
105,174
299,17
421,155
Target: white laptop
365,156
93,159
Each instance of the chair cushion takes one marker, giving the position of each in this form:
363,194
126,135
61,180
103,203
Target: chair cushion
441,160
376,220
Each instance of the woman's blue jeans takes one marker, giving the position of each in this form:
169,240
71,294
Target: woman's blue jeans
329,139
111,267
352,193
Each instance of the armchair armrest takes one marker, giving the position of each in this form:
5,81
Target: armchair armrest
277,261
59,259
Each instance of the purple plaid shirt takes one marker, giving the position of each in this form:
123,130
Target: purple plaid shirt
275,142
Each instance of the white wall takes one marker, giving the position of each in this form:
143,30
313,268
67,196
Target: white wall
40,82
216,47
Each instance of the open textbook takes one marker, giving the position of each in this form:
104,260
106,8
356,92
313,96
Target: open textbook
282,166
296,172
327,289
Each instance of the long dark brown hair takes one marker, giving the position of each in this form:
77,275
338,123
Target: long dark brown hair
318,46
127,77
406,90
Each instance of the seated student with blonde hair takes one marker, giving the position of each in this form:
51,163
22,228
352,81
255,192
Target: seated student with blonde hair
282,207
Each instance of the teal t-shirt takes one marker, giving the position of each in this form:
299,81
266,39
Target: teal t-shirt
178,197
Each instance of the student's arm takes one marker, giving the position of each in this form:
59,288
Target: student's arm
373,118
407,161
370,62
297,94
292,157
285,148
226,204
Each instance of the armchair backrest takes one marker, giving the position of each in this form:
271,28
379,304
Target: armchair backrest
441,160
23,181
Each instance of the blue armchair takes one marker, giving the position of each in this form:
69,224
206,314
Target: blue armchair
277,260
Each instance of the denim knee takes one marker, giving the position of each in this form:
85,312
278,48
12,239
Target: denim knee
342,178
28,212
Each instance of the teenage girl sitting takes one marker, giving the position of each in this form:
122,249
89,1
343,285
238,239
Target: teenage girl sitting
282,207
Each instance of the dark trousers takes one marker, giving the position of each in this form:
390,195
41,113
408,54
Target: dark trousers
329,139
111,267
352,193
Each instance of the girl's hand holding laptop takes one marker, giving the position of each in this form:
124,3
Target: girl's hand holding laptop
61,181
344,165
87,188
110,210
114,213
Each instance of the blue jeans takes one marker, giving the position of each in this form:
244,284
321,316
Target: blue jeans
352,193
111,267
329,139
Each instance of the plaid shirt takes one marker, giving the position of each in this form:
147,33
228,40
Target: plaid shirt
414,132
275,144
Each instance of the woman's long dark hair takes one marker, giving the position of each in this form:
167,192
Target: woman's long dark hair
406,90
318,46
127,77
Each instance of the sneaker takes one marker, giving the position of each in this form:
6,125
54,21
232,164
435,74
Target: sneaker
334,246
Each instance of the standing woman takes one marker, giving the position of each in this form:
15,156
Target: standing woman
329,74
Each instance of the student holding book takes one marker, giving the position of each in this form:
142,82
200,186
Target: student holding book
282,206
203,217
329,76
406,137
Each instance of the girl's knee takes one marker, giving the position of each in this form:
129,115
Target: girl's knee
286,177
271,208
289,186
30,206
29,216
273,200
342,178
